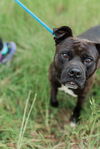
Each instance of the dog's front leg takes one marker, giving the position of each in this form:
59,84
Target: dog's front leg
77,110
53,99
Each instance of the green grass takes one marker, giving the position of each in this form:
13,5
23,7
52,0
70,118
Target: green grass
47,127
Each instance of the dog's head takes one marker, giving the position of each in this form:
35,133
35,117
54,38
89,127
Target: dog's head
75,59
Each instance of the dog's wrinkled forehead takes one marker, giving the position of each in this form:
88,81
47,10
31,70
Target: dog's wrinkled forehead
78,46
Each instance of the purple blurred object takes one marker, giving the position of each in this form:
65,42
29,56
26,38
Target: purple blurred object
9,55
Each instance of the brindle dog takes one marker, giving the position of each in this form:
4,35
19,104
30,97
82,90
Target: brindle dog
74,65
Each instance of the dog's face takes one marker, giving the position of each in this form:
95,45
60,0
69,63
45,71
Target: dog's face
75,59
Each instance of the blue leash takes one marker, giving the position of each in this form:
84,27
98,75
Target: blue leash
35,17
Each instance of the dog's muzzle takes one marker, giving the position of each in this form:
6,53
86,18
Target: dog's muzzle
73,77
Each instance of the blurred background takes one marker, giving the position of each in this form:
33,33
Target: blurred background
47,127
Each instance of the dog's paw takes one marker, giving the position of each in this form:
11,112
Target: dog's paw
73,121
72,124
54,104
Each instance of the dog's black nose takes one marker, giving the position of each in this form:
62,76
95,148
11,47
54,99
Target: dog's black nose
75,72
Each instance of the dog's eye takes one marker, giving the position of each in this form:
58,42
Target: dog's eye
65,55
88,60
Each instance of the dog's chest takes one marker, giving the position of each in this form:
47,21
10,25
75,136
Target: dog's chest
67,90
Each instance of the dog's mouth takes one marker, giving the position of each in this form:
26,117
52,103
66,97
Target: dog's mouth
71,85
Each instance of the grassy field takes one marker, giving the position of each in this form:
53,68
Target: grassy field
27,76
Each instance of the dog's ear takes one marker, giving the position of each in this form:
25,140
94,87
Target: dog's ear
98,47
61,33
1,44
